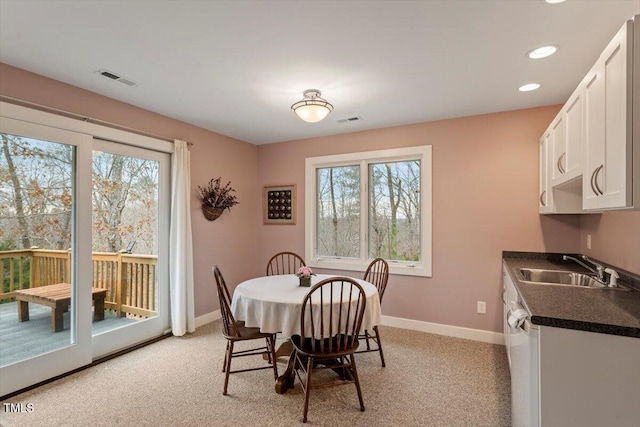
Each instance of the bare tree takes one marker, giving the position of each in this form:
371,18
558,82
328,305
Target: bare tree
36,197
17,191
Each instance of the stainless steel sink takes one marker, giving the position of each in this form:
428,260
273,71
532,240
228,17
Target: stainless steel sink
559,277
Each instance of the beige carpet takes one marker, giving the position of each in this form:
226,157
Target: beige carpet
430,380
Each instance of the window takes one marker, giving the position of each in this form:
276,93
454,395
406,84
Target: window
360,206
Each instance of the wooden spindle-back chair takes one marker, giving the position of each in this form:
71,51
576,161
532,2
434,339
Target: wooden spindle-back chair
235,331
284,263
378,274
330,322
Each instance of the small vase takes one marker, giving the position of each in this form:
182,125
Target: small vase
305,281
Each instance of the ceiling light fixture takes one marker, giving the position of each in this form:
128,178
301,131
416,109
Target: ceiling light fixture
554,1
312,108
542,52
528,87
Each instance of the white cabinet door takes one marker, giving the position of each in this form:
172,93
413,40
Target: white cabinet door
594,136
574,125
558,149
545,198
567,135
588,378
607,180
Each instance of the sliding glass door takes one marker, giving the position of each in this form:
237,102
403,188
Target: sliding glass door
42,192
130,213
84,231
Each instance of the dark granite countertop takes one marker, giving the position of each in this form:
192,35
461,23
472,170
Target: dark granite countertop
607,311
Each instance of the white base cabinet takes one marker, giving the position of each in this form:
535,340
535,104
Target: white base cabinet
588,379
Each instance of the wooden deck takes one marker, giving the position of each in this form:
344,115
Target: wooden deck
21,340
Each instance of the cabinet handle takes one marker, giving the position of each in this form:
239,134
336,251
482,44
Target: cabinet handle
541,198
595,179
559,163
593,188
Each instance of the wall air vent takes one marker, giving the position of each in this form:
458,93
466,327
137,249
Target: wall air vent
113,76
350,119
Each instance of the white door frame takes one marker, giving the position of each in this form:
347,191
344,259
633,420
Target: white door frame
84,348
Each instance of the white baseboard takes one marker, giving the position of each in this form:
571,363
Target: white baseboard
448,330
208,318
414,325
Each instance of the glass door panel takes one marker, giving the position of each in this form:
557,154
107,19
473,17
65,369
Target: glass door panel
129,235
40,302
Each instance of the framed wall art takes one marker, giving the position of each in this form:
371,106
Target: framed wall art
279,204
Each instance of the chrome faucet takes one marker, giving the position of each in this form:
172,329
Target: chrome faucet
597,269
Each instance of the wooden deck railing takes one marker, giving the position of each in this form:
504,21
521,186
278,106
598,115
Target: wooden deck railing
130,279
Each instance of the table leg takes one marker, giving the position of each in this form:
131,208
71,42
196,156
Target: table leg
57,314
23,311
285,349
98,309
286,380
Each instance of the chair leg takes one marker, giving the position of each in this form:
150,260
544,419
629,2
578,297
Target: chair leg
271,347
379,342
307,389
226,350
354,372
271,355
366,337
228,366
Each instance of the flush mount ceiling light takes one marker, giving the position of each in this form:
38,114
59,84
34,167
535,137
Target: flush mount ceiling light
312,108
554,1
529,87
542,52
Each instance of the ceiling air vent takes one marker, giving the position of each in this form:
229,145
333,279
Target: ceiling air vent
113,76
350,119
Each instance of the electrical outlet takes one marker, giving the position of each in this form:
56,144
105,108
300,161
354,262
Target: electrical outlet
588,241
482,307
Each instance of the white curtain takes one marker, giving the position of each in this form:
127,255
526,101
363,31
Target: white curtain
183,318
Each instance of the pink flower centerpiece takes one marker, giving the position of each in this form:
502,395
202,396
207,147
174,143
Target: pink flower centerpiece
305,273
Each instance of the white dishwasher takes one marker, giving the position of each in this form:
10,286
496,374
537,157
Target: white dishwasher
521,340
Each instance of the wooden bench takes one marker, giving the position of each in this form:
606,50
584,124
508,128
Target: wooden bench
58,297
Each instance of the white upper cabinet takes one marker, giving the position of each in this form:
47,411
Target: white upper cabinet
609,97
568,140
561,151
545,198
574,125
592,146
558,150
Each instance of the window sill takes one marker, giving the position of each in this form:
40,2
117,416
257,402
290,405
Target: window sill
395,268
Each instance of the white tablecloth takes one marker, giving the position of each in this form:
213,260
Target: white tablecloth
274,303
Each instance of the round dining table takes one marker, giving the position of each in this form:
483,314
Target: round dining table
274,304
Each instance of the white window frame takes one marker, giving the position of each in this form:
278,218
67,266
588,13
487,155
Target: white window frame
363,159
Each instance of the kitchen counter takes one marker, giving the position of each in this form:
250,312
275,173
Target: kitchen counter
607,311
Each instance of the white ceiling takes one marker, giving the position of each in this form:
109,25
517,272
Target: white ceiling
235,67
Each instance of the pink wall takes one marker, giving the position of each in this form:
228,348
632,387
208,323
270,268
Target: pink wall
615,238
228,241
485,184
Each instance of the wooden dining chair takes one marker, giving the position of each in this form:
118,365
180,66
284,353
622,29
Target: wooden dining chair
235,331
330,321
284,263
378,274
